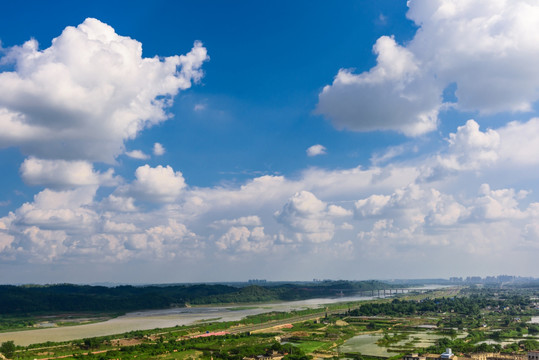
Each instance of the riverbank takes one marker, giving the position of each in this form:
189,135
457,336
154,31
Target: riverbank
166,318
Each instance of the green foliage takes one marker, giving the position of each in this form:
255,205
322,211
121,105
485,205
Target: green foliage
67,297
91,343
533,329
461,307
8,349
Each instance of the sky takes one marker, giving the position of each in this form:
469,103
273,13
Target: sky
205,141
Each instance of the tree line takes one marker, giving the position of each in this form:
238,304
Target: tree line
29,299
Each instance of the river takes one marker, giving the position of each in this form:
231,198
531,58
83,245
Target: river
151,319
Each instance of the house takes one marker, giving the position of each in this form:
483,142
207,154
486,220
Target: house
533,355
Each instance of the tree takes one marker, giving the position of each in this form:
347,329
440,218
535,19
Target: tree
8,349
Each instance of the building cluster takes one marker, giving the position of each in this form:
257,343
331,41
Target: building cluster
257,281
500,279
448,355
274,355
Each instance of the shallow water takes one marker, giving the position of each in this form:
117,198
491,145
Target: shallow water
151,319
366,343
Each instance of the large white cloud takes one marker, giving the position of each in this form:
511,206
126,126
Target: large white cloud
271,215
159,184
69,225
91,90
310,218
519,143
241,239
62,173
470,148
510,146
394,95
486,48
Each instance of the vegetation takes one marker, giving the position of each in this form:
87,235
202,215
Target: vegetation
31,299
8,349
466,320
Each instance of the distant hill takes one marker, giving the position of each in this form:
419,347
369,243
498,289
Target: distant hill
27,299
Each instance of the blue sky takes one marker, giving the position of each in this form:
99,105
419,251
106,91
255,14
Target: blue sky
279,140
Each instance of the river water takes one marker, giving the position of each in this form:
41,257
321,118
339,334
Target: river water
151,319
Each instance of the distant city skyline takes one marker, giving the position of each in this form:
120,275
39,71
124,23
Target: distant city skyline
178,141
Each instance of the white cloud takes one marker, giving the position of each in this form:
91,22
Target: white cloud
316,150
372,205
388,154
5,240
241,239
62,173
60,210
347,226
252,220
486,48
158,149
510,146
91,90
68,226
114,227
119,203
498,204
137,154
394,95
308,217
519,142
159,184
469,148
410,209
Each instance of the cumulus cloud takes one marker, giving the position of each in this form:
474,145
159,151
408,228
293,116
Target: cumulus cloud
469,148
316,150
165,241
119,203
512,145
519,142
486,49
91,90
60,210
69,225
408,210
419,216
252,220
137,154
393,214
5,240
62,173
309,217
394,95
159,184
158,149
498,204
242,239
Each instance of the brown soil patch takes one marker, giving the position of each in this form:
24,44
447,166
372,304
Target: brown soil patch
126,342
